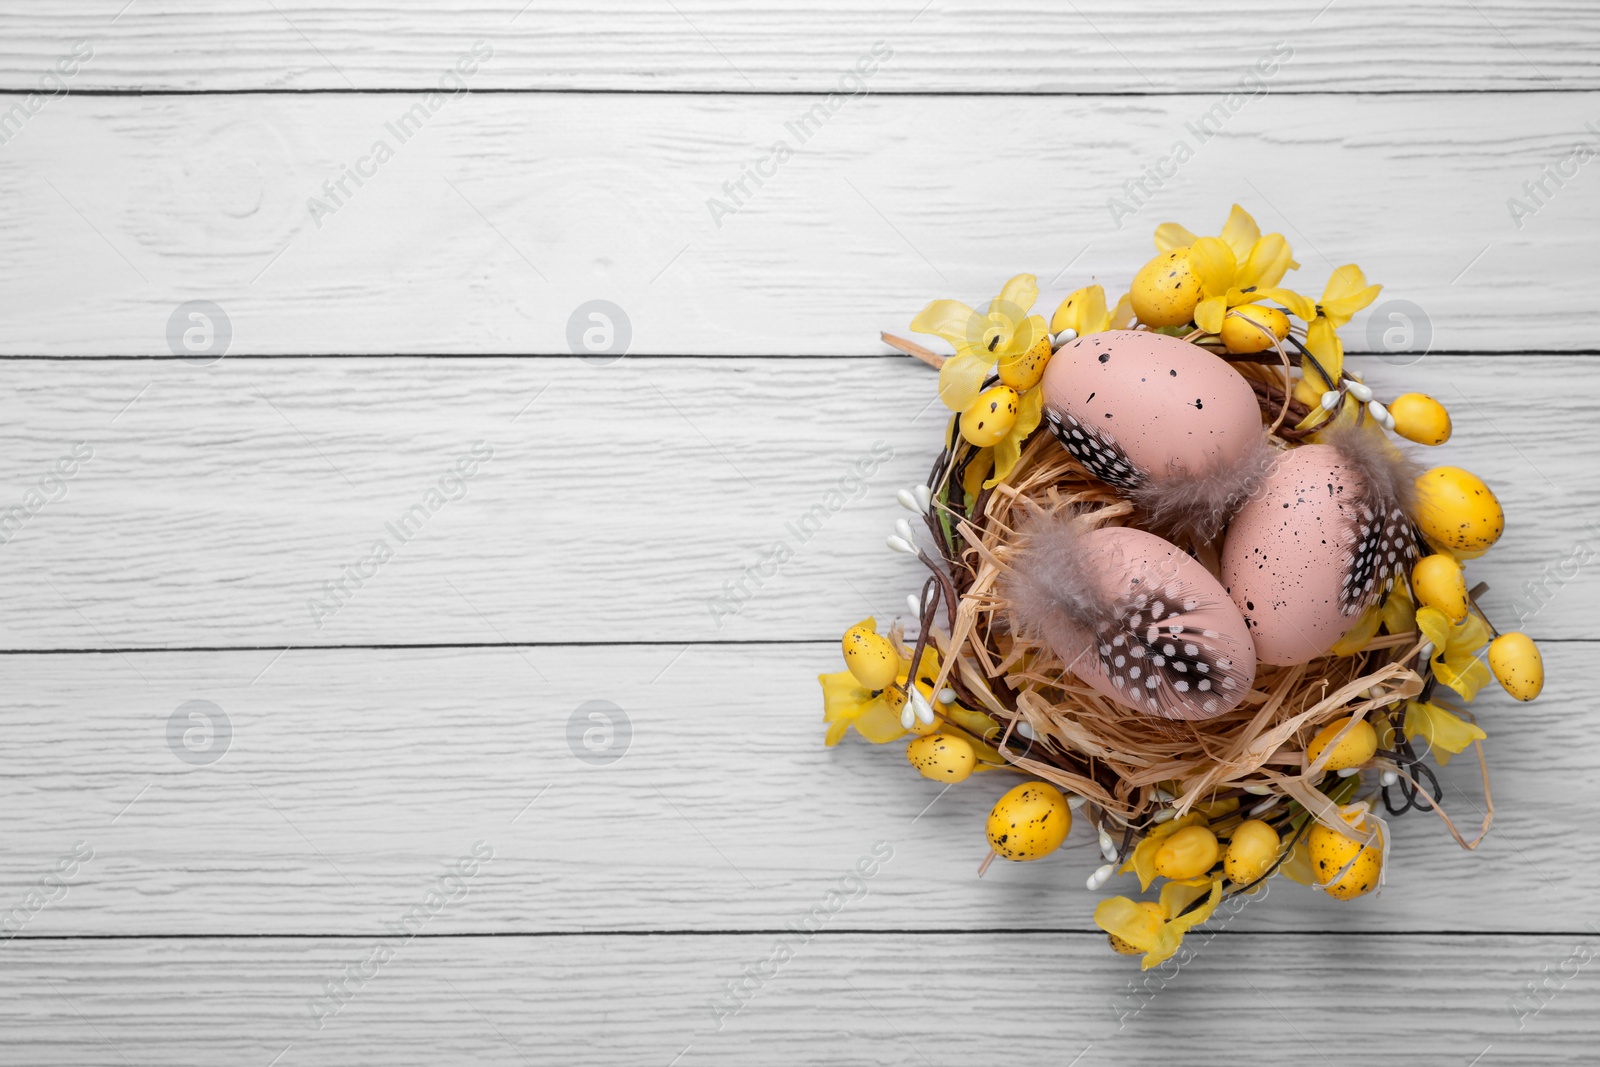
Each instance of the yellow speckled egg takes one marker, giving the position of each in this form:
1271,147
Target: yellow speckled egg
1517,665
1251,851
1331,850
1029,822
1156,915
1165,291
942,757
1253,328
1358,746
1457,512
1024,373
1419,417
1440,583
870,656
991,416
1188,853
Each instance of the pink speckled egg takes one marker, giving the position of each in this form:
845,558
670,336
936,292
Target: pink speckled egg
1298,559
1137,619
1135,407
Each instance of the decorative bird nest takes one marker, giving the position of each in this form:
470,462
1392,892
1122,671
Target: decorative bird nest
1295,771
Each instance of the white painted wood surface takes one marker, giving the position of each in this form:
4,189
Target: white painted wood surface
177,562
490,226
791,45
350,779
846,997
653,493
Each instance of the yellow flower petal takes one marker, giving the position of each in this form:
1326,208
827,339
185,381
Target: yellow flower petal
1083,312
961,380
1214,265
1209,313
1347,292
1143,860
1356,638
951,320
1021,339
1322,341
1122,314
1016,298
1446,732
1241,233
879,723
1399,613
1170,235
1301,307
1297,867
1170,937
1268,260
1121,917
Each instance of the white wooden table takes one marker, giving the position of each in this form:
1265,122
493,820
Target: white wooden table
386,849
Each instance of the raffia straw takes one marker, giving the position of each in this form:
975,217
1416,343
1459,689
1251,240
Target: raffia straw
1112,755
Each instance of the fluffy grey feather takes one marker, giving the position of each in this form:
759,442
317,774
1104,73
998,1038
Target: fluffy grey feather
1192,507
1382,544
1051,587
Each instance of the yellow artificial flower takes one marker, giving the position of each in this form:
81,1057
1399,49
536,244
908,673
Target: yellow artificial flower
1445,731
1455,662
1346,293
1160,935
1003,335
1084,312
875,713
1239,266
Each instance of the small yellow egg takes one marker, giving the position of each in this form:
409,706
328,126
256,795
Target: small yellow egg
870,657
1439,583
991,416
1331,850
1024,373
942,757
1156,916
1251,851
1252,328
1188,853
1419,417
1029,822
1358,745
1457,512
1165,291
1517,665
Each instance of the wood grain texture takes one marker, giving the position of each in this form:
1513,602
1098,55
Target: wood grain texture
842,998
785,45
349,782
502,214
654,500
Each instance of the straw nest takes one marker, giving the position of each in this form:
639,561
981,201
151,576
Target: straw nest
1113,756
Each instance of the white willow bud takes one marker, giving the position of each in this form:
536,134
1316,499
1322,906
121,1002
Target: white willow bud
900,544
903,528
1100,877
1330,400
1360,390
908,500
924,497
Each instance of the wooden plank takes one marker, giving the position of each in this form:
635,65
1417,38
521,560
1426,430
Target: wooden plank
784,45
498,217
843,997
346,783
655,500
